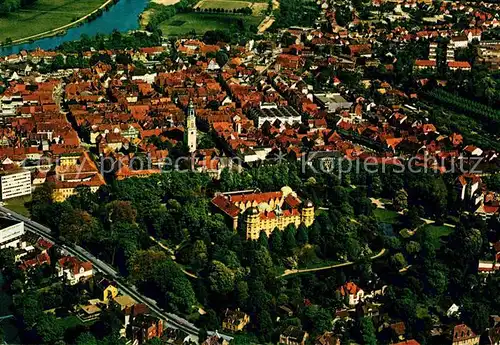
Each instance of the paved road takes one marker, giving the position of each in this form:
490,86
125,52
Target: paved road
173,320
349,263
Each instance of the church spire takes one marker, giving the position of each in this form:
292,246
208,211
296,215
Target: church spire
190,130
191,112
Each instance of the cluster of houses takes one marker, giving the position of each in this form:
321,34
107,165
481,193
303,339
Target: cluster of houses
268,101
254,108
358,303
35,253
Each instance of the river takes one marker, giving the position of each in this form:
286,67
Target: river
10,331
123,16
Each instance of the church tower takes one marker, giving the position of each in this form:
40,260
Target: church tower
190,130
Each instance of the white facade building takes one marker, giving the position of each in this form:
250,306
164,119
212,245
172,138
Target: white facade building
11,232
190,132
74,270
15,184
271,112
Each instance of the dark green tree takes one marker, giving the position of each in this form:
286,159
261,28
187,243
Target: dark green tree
302,235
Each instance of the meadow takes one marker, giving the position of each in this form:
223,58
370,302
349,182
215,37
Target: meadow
199,23
44,15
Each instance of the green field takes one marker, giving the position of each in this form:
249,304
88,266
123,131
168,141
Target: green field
69,322
225,4
437,232
184,23
18,205
386,216
44,15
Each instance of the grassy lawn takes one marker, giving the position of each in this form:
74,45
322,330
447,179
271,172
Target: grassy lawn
225,4
386,216
245,339
437,232
44,15
69,322
17,205
184,23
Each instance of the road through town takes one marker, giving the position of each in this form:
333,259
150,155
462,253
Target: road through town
172,320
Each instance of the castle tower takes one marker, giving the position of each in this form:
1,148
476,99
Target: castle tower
307,213
190,130
252,223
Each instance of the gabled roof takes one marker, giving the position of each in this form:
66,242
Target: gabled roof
463,332
349,288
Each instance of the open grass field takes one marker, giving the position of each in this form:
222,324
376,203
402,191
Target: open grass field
44,15
437,232
184,23
258,8
225,4
386,216
18,205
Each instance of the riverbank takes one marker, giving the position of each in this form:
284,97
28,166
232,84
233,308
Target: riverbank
122,16
47,18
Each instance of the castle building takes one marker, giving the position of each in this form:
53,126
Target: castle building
258,212
190,130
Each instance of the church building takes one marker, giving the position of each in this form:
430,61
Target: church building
190,130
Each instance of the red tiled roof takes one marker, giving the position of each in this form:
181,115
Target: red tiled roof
225,205
425,63
408,342
257,197
459,64
349,288
462,332
74,264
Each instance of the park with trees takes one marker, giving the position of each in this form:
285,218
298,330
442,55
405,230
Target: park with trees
227,271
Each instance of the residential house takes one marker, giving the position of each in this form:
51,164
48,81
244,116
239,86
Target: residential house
424,64
235,320
327,338
353,293
463,335
293,335
87,313
145,327
73,270
108,290
459,65
124,301
215,340
460,41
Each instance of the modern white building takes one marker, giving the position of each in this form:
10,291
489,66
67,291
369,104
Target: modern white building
271,112
331,101
11,232
15,184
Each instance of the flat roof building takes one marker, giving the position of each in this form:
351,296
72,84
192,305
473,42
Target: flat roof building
11,232
271,112
14,184
332,101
